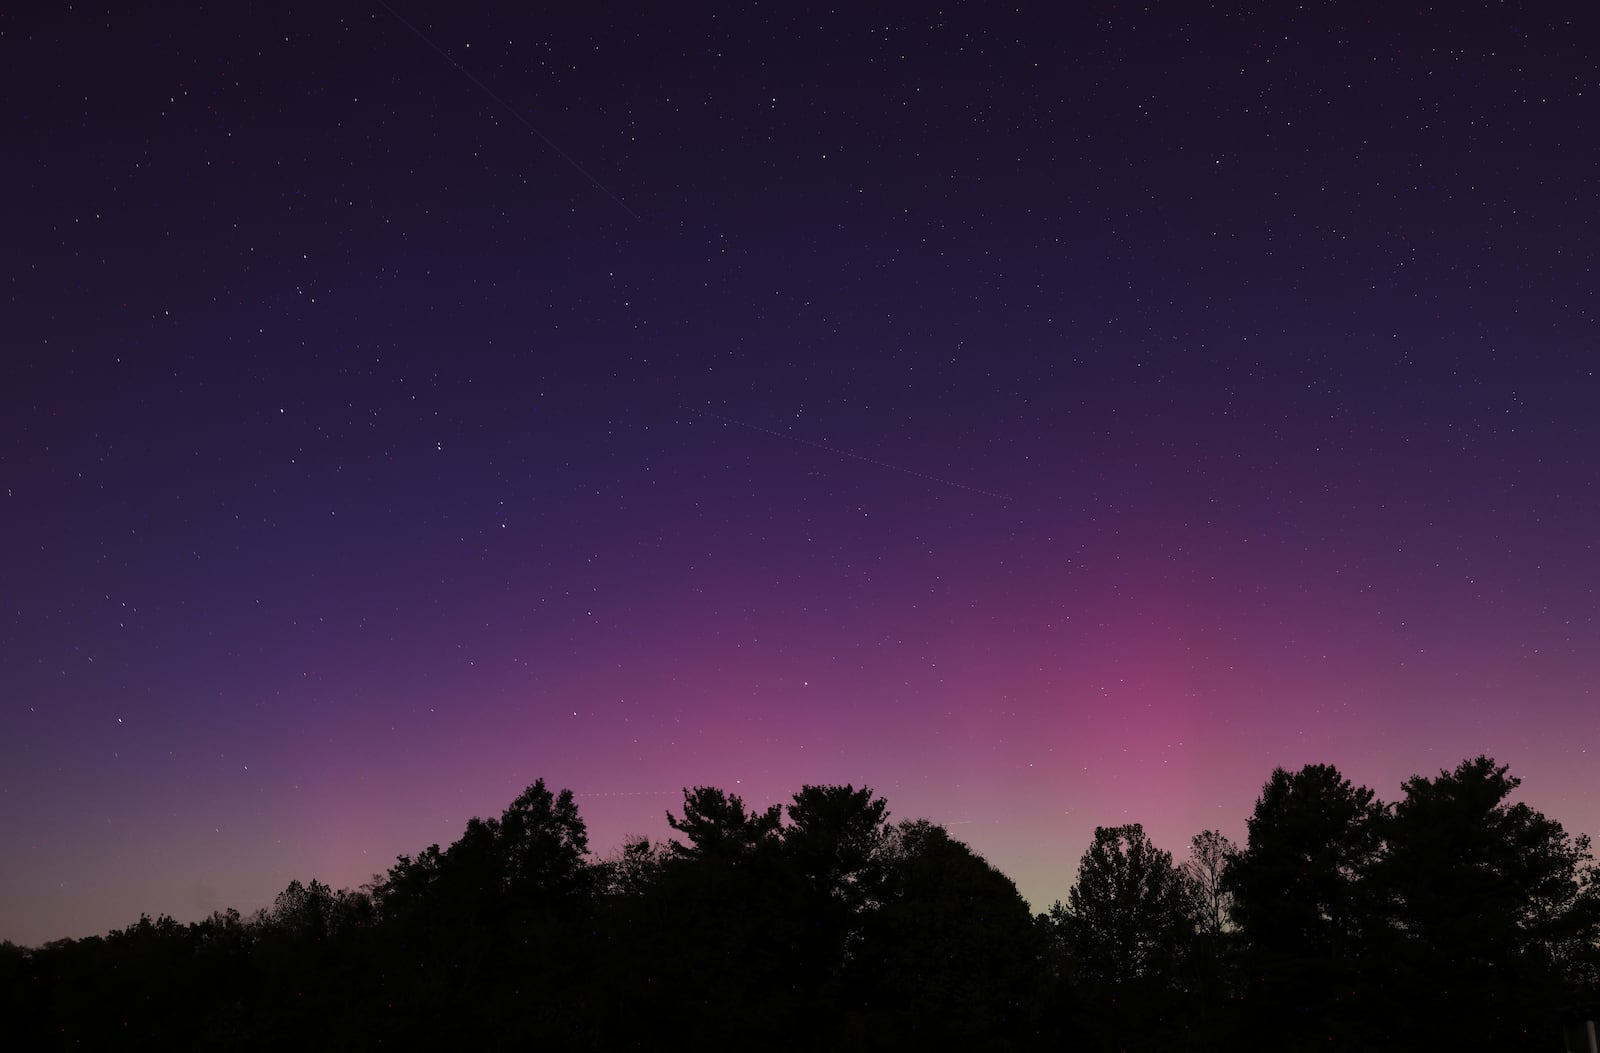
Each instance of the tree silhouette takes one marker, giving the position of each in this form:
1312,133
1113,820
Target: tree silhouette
950,958
24,995
716,945
718,827
1210,970
833,866
1492,904
1129,915
834,841
543,843
632,870
1458,918
499,921
1126,928
1210,853
1304,906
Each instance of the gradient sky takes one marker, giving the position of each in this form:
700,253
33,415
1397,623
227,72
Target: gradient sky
1047,419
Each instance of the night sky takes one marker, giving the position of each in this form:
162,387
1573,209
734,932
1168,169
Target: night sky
1047,419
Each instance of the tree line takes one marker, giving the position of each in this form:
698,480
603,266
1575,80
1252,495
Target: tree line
1452,918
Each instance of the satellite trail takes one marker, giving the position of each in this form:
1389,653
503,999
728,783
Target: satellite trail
512,110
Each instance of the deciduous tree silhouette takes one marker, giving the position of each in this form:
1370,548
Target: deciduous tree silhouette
1211,969
1129,915
1210,853
1127,926
950,957
1493,908
498,921
1305,907
632,870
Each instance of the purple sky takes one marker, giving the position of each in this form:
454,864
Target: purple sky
1047,420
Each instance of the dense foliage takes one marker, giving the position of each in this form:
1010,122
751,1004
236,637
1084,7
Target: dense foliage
1453,918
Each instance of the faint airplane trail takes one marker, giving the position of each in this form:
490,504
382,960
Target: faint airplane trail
512,110
846,453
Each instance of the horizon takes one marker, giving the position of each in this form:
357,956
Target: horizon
597,852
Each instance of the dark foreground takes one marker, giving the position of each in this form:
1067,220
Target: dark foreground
1450,919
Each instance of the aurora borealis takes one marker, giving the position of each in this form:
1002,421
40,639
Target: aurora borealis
1047,420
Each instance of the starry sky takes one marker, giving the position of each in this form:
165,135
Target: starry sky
1049,419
